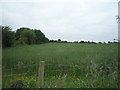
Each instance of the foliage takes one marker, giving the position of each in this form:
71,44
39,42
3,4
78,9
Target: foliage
30,36
40,37
7,36
27,37
59,40
19,31
22,35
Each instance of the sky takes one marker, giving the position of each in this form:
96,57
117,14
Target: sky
71,20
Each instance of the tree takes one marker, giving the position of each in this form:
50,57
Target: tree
23,35
59,40
19,31
82,42
27,37
100,42
53,41
40,37
109,42
46,39
8,36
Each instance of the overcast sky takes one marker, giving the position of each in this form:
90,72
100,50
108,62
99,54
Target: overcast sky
71,20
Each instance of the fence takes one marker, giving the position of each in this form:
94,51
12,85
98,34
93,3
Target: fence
41,71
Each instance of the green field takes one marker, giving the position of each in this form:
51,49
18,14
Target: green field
94,65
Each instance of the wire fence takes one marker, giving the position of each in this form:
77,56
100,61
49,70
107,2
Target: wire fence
19,67
50,70
55,68
36,71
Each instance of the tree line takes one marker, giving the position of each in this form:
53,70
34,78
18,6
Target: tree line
22,36
89,42
29,36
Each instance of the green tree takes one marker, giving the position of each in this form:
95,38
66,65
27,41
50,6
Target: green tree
40,37
27,37
59,40
19,31
8,36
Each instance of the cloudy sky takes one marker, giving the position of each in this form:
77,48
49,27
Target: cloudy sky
71,20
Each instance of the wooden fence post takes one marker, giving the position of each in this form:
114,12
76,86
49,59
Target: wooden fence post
41,74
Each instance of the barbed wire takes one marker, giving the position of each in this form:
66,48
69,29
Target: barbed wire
75,68
19,74
62,70
63,65
44,71
20,67
37,64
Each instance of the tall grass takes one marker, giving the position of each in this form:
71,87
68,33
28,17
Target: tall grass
101,58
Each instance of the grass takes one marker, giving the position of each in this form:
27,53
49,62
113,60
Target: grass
98,64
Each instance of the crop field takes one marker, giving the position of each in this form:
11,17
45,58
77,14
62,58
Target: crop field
67,65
